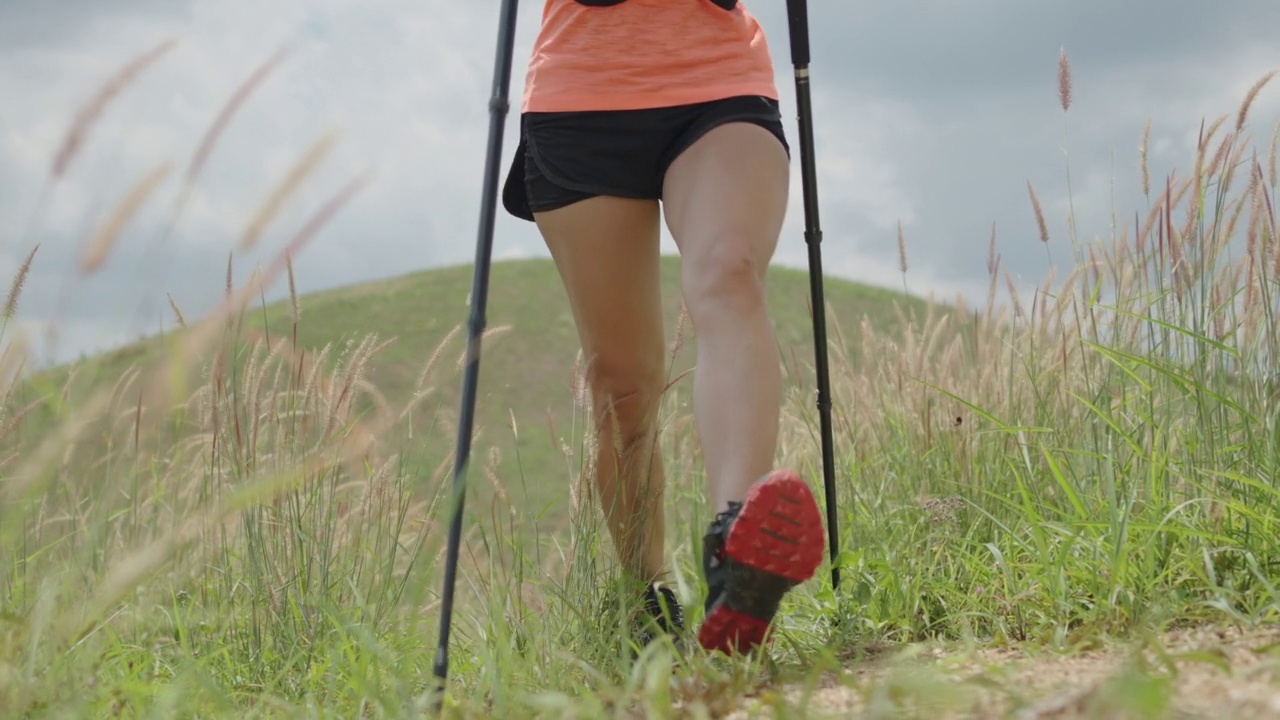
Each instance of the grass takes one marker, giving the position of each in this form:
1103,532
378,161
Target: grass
529,361
237,528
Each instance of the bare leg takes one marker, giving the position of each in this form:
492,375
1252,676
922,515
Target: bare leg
725,201
726,198
607,253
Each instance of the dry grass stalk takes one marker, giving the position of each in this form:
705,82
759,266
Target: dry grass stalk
196,342
13,358
1013,295
1272,155
1045,291
1215,309
1064,80
991,289
314,386
1255,215
902,250
991,251
1236,207
673,381
1142,155
92,110
352,375
294,310
1249,98
1178,271
1235,161
287,186
1221,153
1206,134
677,343
491,472
123,385
177,311
12,422
488,335
257,392
19,281
435,358
1275,259
580,386
1035,205
1198,177
1250,296
53,446
1183,188
1140,237
125,574
228,110
96,250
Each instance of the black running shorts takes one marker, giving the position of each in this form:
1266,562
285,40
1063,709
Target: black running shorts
564,157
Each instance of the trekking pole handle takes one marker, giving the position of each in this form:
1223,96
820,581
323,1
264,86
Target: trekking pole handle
798,19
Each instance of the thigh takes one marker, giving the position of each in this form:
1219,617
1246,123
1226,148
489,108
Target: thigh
725,196
607,252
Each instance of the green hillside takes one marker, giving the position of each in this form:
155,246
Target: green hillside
526,368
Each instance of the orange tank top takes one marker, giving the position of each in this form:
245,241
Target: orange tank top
645,54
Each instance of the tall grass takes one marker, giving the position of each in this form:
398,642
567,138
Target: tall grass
245,527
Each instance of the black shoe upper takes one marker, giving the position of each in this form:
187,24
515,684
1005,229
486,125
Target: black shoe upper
663,614
713,566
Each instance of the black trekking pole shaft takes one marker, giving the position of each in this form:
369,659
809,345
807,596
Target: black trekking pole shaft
798,20
498,106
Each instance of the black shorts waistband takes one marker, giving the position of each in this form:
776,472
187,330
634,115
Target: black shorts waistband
564,157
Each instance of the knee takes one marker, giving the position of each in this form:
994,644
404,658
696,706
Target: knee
625,394
727,277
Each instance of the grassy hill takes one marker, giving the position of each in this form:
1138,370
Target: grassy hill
527,366
1069,512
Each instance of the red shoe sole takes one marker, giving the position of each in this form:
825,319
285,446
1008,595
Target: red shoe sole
776,543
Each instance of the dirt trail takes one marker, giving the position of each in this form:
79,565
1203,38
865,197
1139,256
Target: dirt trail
1211,672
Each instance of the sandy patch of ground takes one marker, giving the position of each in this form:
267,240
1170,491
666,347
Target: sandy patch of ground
1212,672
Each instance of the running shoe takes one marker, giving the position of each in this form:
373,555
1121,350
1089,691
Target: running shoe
662,615
753,554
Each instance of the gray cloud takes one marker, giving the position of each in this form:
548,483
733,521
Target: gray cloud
935,116
963,110
41,25
942,53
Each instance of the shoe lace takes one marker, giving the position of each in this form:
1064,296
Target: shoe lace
664,611
714,541
725,517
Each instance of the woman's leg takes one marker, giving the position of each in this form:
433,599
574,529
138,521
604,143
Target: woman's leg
726,197
725,200
607,253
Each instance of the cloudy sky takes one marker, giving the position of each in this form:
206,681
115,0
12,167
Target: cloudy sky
931,114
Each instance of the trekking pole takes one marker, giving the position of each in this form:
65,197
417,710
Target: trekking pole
498,106
798,20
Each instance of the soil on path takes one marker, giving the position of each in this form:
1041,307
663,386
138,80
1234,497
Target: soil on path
1208,672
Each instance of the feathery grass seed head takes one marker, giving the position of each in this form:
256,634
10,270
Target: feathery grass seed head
1249,98
1035,206
19,281
1064,80
96,250
93,109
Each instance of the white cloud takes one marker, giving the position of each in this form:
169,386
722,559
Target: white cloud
407,84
